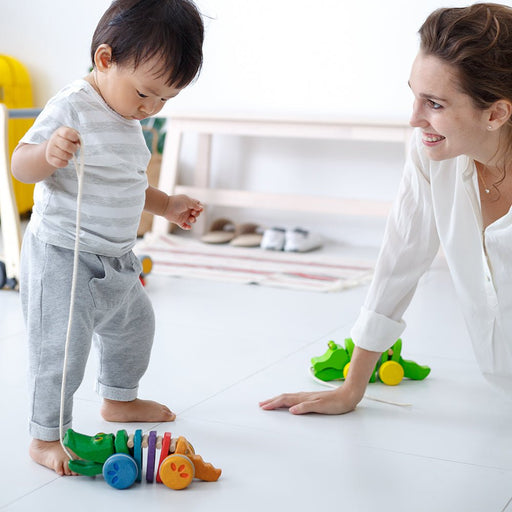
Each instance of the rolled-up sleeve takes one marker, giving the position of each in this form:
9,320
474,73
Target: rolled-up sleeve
373,331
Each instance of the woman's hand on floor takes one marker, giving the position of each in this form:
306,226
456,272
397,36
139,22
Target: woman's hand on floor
336,401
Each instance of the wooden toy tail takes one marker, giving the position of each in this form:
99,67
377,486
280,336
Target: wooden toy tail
205,470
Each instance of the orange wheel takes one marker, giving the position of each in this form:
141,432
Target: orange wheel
147,264
391,373
177,471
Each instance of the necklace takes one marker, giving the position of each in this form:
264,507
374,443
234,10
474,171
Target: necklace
487,190
491,192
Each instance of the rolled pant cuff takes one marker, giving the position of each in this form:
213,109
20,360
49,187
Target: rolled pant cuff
46,433
118,394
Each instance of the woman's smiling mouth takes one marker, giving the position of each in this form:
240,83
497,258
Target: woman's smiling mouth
430,138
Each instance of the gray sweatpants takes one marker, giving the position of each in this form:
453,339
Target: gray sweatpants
111,308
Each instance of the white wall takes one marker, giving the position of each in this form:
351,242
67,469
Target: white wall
52,39
327,58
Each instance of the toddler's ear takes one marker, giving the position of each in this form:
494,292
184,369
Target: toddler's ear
103,57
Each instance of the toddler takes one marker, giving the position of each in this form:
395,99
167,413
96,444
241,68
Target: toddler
144,52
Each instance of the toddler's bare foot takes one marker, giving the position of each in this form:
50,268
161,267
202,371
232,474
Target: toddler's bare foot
136,410
51,455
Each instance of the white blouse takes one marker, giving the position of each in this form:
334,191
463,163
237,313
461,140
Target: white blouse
439,203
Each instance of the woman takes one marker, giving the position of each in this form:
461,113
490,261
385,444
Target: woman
456,192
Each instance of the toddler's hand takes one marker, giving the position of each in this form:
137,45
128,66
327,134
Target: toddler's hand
183,210
61,147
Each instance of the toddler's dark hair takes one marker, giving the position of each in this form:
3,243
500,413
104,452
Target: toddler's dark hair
138,30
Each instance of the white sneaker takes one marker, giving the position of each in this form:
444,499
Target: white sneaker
273,239
301,240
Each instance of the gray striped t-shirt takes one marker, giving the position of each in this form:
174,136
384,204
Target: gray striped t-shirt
116,158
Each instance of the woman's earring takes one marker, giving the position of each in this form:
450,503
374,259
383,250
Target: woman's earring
489,127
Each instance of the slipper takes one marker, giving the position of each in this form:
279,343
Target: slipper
221,231
247,235
273,239
301,240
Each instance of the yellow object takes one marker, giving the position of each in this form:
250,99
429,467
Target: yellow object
147,264
177,471
345,370
16,92
391,373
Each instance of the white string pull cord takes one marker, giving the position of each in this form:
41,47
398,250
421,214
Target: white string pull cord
79,168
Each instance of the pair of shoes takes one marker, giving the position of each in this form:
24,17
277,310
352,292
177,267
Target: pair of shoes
223,231
273,239
302,240
290,240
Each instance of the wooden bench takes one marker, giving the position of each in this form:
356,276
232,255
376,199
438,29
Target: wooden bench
207,126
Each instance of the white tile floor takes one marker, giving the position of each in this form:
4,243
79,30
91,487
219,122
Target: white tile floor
220,348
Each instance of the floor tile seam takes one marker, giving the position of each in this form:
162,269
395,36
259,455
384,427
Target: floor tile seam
220,391
277,431
241,426
300,438
260,370
233,384
27,494
229,386
504,509
250,376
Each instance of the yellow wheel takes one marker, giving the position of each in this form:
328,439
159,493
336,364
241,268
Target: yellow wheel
177,471
345,370
391,373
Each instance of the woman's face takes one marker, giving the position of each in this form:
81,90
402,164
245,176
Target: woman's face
450,123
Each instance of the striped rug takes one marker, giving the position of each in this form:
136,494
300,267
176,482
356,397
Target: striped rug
173,255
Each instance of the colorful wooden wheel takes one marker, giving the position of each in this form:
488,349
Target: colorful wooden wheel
150,462
137,452
166,445
391,373
121,442
177,471
120,471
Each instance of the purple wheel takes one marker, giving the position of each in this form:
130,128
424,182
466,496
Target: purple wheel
150,466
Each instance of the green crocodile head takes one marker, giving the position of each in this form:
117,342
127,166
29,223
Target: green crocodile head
96,448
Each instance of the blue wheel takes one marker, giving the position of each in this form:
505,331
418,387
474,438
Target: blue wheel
120,471
137,452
